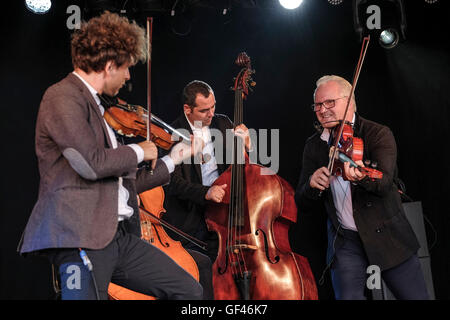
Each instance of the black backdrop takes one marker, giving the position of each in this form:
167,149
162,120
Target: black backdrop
405,88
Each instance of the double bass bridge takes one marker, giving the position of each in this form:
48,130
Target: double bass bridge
236,248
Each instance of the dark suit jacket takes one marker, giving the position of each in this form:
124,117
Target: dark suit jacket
185,195
77,204
382,225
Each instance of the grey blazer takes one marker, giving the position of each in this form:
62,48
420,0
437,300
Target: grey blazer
77,204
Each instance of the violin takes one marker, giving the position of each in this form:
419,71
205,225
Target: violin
351,149
130,120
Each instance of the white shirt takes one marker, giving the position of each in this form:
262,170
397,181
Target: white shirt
124,210
210,171
342,194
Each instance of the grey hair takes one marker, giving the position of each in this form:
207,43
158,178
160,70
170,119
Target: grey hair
345,86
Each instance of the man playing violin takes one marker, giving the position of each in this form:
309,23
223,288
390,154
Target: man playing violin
86,216
191,183
366,221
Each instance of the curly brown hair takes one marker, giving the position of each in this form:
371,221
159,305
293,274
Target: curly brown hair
108,37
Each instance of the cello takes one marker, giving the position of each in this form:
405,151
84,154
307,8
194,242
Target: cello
153,232
254,260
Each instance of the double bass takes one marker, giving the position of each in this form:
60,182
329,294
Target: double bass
255,261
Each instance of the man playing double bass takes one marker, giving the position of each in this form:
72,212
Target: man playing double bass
366,221
190,187
86,216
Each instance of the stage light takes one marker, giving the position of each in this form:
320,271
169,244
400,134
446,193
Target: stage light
335,2
382,19
38,6
388,38
291,4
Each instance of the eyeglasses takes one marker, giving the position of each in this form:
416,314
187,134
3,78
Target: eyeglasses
328,104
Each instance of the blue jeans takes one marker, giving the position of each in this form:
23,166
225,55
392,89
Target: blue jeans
349,273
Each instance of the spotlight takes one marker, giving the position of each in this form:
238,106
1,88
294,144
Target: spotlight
388,38
291,4
385,20
38,6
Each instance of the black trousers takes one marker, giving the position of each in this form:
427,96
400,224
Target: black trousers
210,238
127,261
204,266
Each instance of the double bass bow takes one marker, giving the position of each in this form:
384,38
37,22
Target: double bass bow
254,259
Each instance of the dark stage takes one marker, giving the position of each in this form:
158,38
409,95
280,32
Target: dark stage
405,88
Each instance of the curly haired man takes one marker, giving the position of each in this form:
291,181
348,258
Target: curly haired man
86,219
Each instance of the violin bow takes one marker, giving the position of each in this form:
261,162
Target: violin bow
165,224
149,66
362,55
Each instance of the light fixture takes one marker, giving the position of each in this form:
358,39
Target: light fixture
38,6
290,4
385,20
388,38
